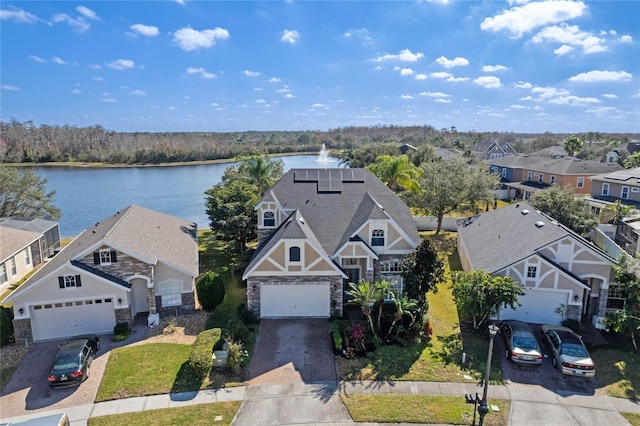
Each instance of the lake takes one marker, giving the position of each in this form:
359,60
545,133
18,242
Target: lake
88,195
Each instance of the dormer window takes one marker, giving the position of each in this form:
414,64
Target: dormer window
377,237
269,219
294,254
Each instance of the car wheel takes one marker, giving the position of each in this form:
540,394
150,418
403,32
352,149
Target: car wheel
554,362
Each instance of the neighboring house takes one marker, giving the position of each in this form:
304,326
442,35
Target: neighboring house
492,150
562,274
622,185
24,244
633,147
525,175
612,157
405,148
318,230
447,153
138,262
628,234
555,151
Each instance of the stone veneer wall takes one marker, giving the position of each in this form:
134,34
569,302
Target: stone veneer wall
22,330
602,305
123,315
253,289
188,305
574,312
123,268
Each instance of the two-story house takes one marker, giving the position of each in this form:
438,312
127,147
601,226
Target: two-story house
492,150
318,231
138,262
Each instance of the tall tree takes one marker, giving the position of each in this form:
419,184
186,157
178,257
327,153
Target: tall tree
478,294
364,293
404,306
563,205
482,186
627,320
573,145
397,172
422,270
632,161
261,170
23,193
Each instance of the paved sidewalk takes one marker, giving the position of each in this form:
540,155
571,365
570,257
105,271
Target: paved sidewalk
319,403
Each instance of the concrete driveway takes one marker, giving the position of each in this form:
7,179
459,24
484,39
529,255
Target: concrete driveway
292,351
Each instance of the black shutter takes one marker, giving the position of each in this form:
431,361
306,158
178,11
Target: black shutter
61,282
78,282
96,258
114,257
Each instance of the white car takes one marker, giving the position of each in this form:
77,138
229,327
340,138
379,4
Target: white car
567,351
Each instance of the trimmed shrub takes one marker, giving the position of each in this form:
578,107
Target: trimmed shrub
336,333
121,331
200,355
6,325
210,290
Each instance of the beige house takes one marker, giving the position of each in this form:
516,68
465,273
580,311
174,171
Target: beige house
562,274
318,230
136,263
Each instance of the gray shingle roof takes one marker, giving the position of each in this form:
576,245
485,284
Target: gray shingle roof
626,176
28,224
560,166
12,240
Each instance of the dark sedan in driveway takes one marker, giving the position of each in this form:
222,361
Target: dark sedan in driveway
521,345
73,361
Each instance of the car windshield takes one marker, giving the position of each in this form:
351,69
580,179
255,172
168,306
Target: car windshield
66,361
524,343
574,349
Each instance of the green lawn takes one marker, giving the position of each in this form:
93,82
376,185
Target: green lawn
618,371
632,418
425,409
438,359
219,413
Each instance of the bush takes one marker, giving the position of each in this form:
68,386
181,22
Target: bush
6,325
121,331
235,355
242,261
201,353
210,290
572,324
337,326
245,315
236,331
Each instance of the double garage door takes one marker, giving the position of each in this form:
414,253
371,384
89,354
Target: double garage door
65,319
538,307
294,300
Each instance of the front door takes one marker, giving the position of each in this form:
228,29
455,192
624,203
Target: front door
353,276
140,301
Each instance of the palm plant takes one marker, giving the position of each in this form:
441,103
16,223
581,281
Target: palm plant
262,170
397,172
382,289
404,306
362,294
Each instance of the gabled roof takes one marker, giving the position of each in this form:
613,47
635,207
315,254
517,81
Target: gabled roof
629,177
559,166
28,224
551,151
517,161
14,240
138,231
501,237
486,145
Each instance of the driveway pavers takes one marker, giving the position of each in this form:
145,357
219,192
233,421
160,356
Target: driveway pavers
292,351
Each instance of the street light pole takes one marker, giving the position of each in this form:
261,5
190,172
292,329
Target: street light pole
483,409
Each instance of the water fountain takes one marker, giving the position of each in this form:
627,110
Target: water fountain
323,155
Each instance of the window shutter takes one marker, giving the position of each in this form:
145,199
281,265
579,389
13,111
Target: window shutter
78,282
114,258
96,258
61,282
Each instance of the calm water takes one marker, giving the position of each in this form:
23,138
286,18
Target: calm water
87,196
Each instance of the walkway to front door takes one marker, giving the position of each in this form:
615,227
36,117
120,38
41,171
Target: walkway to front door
292,350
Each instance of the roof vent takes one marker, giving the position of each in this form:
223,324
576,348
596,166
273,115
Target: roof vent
301,219
525,212
539,224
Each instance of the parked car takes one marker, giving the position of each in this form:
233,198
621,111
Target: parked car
51,420
567,351
520,343
73,361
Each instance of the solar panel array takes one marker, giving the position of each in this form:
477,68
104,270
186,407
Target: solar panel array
329,180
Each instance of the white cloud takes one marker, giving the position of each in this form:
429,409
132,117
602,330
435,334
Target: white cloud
610,96
289,96
251,73
571,35
406,96
78,23
596,76
442,101
283,89
361,34
406,71
261,101
19,15
121,64
523,85
37,58
573,100
10,88
202,72
516,106
97,79
95,66
290,36
493,68
435,94
258,89
138,92
76,92
626,39
319,106
58,60
549,92
274,80
88,13
450,63
526,98
421,77
440,75
108,100
405,55
488,82
453,79
145,30
563,50
189,39
521,19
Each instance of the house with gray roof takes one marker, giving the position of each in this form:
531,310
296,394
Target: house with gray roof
562,274
318,230
25,243
492,150
136,263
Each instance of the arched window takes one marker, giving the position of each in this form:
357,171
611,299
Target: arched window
294,254
268,219
377,237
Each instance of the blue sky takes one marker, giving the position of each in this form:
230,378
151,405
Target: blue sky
516,66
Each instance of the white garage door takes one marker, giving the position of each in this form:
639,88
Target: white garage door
66,319
538,307
294,300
